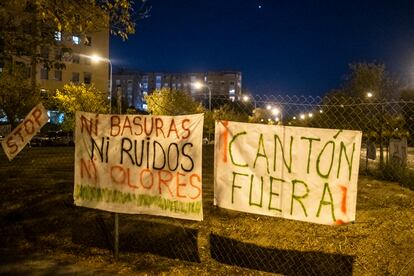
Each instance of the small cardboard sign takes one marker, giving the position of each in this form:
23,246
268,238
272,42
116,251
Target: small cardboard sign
24,132
398,151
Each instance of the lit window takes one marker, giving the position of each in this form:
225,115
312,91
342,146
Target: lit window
232,98
58,75
44,74
75,77
232,91
58,36
76,40
87,77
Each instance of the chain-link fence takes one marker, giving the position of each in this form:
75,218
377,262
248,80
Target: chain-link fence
387,125
38,212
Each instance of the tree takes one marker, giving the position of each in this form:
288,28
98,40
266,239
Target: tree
261,115
355,109
407,107
167,101
74,98
372,78
17,96
228,112
28,26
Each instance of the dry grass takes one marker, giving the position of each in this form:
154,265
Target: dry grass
43,233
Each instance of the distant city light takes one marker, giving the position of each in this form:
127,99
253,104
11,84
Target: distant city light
310,115
268,107
320,111
275,111
246,98
302,116
294,117
369,95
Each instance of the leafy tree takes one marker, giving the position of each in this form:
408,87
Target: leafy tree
407,108
167,101
350,107
74,98
228,112
28,27
260,115
17,95
369,77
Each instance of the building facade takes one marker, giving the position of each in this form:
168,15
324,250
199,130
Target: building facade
79,64
134,85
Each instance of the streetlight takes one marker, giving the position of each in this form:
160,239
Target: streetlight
96,59
247,99
275,111
369,95
198,85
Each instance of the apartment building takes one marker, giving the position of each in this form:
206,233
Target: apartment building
79,65
134,85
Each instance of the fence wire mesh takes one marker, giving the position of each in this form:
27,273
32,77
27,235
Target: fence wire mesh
38,212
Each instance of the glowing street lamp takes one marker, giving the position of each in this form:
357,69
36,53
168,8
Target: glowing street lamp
302,116
96,59
275,111
369,95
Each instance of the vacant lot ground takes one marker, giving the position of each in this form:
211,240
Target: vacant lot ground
42,232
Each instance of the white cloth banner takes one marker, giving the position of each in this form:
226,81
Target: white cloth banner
305,174
139,164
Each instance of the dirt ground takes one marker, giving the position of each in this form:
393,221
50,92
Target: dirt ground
42,232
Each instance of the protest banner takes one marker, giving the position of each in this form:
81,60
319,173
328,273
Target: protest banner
139,164
305,174
21,135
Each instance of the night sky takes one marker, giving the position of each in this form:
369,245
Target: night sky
281,47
